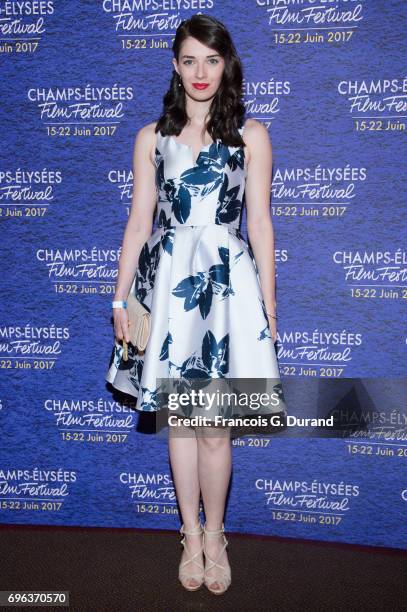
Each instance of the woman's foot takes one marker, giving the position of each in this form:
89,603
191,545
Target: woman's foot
217,568
191,569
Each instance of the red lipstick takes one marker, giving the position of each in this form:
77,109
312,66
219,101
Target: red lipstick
200,85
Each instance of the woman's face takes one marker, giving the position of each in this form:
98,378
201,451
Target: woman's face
199,65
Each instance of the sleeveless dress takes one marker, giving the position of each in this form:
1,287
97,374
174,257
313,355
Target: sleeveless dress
198,277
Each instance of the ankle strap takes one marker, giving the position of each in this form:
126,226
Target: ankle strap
215,531
195,531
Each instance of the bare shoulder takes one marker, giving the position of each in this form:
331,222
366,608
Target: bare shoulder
147,132
256,137
146,139
255,130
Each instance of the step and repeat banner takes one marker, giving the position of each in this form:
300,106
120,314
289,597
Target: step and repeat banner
329,80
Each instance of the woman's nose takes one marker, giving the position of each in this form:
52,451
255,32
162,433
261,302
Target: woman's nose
200,71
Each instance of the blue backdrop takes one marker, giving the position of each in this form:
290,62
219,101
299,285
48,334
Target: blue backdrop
329,81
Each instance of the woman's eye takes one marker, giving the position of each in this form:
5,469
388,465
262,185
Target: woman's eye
212,60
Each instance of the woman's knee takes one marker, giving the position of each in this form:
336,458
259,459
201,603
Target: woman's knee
213,438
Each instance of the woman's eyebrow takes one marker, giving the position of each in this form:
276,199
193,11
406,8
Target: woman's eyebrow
193,56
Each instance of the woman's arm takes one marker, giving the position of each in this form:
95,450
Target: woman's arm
259,225
140,222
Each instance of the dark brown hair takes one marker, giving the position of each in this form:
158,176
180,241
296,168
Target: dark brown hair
226,113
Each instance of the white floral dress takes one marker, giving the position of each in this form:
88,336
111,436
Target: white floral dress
198,277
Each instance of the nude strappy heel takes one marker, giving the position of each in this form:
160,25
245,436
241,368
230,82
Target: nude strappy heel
224,580
184,576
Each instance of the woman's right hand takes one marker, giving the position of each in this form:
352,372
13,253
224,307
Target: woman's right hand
121,324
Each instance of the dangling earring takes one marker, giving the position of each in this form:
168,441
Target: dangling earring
179,82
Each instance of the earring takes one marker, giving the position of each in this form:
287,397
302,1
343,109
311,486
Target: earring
180,81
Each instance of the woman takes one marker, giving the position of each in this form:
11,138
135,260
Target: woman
211,297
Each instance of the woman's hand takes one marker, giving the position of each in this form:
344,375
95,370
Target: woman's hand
121,324
273,327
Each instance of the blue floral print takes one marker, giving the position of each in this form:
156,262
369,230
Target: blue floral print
201,287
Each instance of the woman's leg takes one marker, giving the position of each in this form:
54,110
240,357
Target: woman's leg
183,454
214,469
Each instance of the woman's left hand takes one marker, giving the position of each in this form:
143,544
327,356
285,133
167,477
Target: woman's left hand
273,327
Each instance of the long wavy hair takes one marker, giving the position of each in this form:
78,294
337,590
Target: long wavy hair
227,111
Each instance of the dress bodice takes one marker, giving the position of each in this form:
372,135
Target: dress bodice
209,191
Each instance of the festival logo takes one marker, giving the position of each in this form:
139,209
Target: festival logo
142,26
374,274
92,420
317,192
122,180
312,23
376,104
264,99
81,111
380,433
152,492
80,271
313,353
35,489
27,193
32,347
300,501
23,25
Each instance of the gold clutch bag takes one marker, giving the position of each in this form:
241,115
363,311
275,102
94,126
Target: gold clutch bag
139,319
